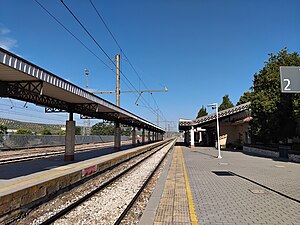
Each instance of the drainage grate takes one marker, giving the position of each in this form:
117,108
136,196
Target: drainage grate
223,173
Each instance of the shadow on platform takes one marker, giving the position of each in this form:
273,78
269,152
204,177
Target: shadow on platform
18,169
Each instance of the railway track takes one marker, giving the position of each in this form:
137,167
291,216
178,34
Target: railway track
105,199
14,156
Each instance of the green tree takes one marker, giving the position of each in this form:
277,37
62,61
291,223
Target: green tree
45,132
60,132
3,129
226,103
23,131
202,112
77,130
109,129
246,97
276,116
126,131
103,129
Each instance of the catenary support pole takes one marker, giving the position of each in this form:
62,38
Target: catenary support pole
118,80
117,123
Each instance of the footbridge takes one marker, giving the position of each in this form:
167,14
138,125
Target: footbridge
22,80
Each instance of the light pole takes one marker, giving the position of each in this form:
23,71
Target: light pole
215,106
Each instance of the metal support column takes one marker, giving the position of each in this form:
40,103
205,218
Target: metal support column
70,139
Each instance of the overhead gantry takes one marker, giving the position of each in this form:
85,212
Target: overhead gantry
22,80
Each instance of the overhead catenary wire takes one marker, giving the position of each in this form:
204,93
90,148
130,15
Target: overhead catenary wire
101,18
99,46
91,36
39,115
26,115
95,41
30,110
117,43
143,101
60,23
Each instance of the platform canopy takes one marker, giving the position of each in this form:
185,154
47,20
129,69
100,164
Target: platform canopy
21,79
185,124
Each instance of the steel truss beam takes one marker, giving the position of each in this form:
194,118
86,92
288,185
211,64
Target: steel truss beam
32,91
20,87
85,107
111,116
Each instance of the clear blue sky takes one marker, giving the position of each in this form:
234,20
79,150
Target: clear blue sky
201,50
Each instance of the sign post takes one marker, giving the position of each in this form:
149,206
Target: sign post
290,79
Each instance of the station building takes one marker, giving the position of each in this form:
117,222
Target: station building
233,123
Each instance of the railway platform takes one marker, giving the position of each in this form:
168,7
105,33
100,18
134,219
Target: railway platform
198,188
28,183
26,167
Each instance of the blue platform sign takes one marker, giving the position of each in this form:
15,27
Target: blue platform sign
290,79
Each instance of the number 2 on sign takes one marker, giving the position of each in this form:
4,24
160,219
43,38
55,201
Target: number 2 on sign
288,83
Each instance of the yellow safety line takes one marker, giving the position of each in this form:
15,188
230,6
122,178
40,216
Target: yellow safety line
193,215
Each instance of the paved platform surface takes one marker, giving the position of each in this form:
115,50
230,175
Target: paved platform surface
234,200
24,168
237,189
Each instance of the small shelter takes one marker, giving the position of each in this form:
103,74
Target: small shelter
234,128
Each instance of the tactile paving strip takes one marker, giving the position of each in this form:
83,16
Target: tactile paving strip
173,206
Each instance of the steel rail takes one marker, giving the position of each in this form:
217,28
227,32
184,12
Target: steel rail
141,189
73,205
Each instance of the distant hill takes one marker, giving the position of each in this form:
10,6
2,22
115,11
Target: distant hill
34,127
